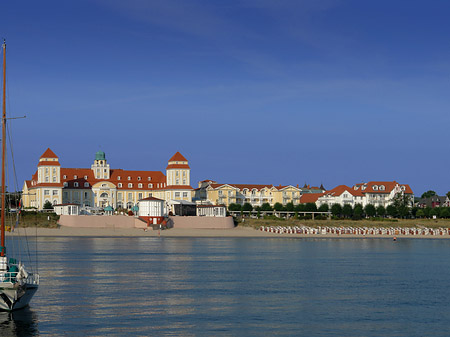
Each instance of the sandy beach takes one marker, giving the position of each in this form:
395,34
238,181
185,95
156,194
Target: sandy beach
244,232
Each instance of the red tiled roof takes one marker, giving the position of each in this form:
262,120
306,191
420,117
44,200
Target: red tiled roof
49,154
157,177
177,157
49,163
175,166
310,197
338,190
389,186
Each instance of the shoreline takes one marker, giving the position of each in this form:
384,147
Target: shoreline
237,232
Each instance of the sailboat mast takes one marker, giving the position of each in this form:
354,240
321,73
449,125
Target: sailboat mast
3,153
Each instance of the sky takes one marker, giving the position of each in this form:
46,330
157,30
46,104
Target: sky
253,91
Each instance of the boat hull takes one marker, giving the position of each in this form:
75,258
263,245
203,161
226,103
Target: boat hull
16,298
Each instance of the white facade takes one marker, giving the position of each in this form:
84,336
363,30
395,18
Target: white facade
151,207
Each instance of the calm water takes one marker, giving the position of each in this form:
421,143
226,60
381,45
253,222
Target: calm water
238,287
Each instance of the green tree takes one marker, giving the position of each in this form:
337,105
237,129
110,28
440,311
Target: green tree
290,206
300,207
347,210
370,210
266,207
402,202
435,212
391,210
357,212
428,194
420,213
48,205
234,207
381,211
311,207
336,210
278,207
444,212
247,207
448,194
427,211
323,208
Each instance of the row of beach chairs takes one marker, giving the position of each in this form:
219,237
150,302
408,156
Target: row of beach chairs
355,230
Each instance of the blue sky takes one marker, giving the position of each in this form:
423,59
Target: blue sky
251,91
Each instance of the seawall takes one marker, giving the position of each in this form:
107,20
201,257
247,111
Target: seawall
101,221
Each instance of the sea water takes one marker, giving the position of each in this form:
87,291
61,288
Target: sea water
237,287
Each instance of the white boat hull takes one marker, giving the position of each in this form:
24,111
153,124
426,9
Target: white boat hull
14,298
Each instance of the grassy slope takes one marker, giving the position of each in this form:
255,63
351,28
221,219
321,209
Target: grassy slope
256,223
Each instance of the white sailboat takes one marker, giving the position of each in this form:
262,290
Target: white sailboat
17,286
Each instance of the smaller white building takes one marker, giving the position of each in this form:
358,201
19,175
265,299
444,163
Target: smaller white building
151,210
67,209
211,210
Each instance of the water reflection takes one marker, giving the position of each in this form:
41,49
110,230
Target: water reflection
19,323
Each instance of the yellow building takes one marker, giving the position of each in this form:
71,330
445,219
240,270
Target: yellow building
256,195
100,186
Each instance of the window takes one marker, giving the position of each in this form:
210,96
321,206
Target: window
46,170
86,184
64,177
118,177
150,185
54,179
129,178
185,194
130,196
46,192
139,178
104,195
184,173
177,182
130,185
85,177
140,196
46,179
149,178
119,185
55,192
119,196
86,195
184,181
403,188
139,185
54,170
104,185
75,184
177,194
65,184
75,177
375,187
157,185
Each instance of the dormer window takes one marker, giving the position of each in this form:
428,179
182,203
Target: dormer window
75,177
118,177
75,184
129,178
139,178
130,185
375,187
104,185
403,188
139,185
382,188
119,185
86,184
65,184
149,178
85,177
64,177
150,185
